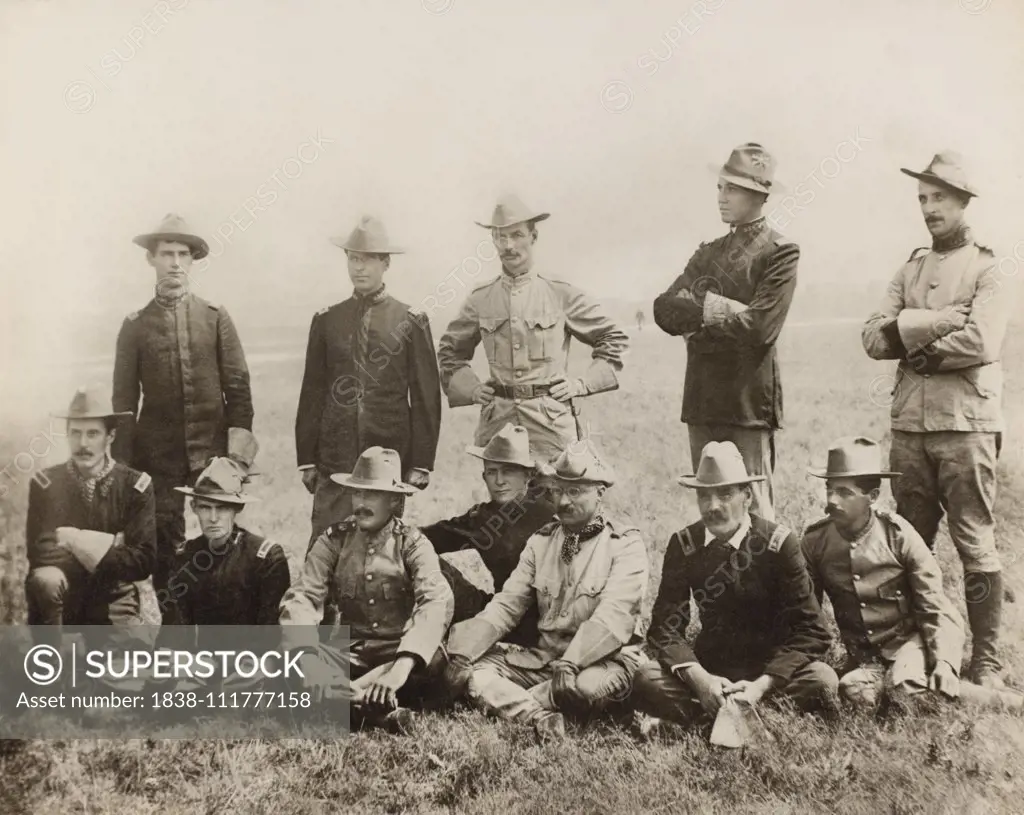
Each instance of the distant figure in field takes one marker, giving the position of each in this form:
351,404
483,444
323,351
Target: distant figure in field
944,318
730,304
525,321
903,636
181,370
370,379
641,318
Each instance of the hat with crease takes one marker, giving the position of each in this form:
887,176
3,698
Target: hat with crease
174,228
947,170
852,457
222,481
378,469
370,235
510,210
721,465
510,445
579,462
91,402
750,166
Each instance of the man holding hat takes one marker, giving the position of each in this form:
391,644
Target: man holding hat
944,318
587,577
227,575
900,630
182,357
90,533
390,591
370,380
526,321
499,528
730,304
762,631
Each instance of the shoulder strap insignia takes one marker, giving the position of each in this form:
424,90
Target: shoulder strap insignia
322,311
143,482
133,316
917,253
984,248
687,541
486,283
778,537
782,240
265,547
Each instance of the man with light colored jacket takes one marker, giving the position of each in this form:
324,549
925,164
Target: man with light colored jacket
944,319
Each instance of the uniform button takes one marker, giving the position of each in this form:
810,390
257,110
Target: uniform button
369,577
374,625
863,605
372,601
871,631
515,345
519,374
856,577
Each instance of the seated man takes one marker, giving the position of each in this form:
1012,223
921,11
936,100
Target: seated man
587,578
387,580
227,575
90,531
762,631
902,635
497,529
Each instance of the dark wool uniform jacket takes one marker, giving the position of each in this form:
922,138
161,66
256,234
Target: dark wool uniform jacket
393,399
123,503
756,605
732,372
188,366
239,581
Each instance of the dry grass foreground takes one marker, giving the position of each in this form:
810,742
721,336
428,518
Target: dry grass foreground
947,762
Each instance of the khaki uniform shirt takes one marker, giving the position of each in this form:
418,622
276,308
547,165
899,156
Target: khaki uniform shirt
388,586
885,588
588,608
965,393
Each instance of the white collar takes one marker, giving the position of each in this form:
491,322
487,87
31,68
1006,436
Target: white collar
737,537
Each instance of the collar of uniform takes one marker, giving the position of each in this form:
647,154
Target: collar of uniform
381,535
958,239
169,303
737,536
371,299
750,227
518,282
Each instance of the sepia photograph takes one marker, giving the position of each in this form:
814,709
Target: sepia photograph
442,406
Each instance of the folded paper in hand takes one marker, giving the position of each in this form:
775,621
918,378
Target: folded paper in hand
87,545
732,727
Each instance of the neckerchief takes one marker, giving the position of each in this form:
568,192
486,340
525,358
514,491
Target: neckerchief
87,483
957,239
573,540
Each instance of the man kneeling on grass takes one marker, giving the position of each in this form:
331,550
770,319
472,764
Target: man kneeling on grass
903,636
587,577
390,591
762,630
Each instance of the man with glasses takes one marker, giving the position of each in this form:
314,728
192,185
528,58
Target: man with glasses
587,577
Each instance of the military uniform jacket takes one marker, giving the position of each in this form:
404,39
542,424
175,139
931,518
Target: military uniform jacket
238,581
391,398
757,609
588,608
965,392
885,588
388,587
188,366
525,324
123,503
732,371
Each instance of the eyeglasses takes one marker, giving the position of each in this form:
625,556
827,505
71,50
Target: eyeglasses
572,492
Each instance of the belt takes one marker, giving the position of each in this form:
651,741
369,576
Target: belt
520,391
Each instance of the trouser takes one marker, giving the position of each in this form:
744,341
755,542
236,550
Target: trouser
956,472
548,422
659,693
524,694
365,657
907,670
756,445
170,526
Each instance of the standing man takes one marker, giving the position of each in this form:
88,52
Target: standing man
90,533
762,631
371,379
730,304
525,322
944,318
183,357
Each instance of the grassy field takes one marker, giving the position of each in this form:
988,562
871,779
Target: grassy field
946,762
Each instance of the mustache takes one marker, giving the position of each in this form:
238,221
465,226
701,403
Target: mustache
363,513
833,510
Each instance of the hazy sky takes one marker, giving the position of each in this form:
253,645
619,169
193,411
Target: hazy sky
605,114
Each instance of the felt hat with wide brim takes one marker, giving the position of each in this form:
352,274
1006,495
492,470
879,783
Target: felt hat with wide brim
511,210
378,469
370,236
853,457
174,228
721,465
947,170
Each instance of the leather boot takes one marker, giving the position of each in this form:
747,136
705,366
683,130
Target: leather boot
991,698
984,594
